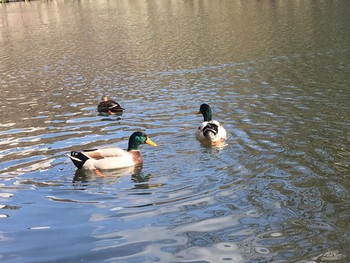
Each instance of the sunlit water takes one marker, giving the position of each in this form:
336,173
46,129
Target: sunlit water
276,74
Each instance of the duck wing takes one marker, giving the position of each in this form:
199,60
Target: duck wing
104,153
210,127
113,105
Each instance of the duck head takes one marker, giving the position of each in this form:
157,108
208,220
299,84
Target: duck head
205,110
138,138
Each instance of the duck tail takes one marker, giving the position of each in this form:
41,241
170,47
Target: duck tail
115,107
78,159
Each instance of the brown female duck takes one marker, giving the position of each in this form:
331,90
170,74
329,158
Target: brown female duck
109,106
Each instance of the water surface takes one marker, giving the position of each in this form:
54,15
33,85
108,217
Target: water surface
276,74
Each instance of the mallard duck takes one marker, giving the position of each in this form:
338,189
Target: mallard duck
210,132
109,106
112,157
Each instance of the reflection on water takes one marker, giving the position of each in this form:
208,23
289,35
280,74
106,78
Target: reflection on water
277,74
85,178
88,175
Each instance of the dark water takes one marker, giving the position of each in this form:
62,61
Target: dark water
277,75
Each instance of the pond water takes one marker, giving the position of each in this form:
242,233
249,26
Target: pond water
276,74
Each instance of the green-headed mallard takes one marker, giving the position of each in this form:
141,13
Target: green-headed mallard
109,106
112,157
210,132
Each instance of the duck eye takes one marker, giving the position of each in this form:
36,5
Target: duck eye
140,139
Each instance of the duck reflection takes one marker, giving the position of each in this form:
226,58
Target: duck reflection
115,116
113,176
213,151
85,178
107,117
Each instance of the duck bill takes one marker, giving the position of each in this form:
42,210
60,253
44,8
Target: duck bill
149,141
198,112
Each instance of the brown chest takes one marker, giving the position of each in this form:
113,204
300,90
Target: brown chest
136,157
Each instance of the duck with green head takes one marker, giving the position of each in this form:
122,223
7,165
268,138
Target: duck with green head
112,157
210,132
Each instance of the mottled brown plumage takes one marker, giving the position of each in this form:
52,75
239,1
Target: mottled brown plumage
109,106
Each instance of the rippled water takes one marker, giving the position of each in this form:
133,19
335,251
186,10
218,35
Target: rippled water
276,74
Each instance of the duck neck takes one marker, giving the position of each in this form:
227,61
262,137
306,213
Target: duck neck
207,115
133,147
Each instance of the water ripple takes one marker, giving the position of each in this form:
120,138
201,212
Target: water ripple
278,190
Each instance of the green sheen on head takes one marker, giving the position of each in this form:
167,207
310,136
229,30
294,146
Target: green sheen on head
138,138
205,110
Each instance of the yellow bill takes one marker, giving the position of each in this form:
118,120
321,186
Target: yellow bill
150,142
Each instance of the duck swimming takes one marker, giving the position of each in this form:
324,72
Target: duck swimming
109,106
112,157
210,132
